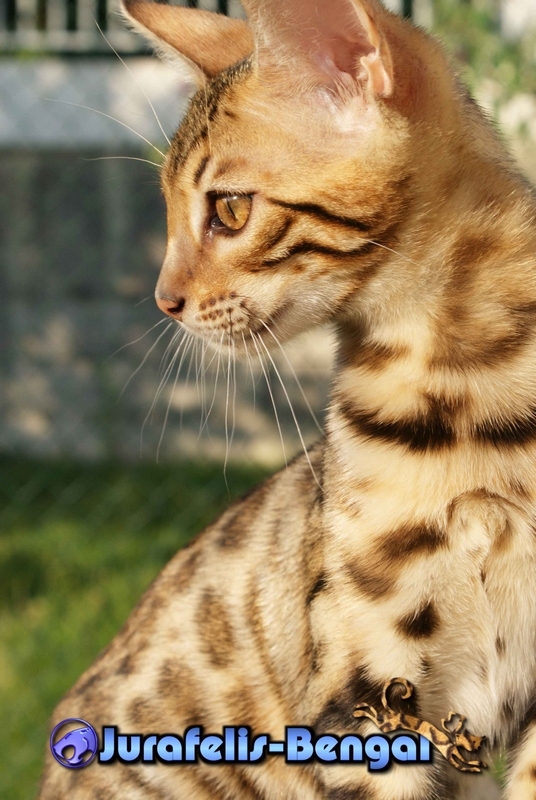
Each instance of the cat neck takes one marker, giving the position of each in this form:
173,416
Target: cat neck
437,357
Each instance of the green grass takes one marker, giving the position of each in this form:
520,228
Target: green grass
78,545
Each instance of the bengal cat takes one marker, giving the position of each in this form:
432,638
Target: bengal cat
342,173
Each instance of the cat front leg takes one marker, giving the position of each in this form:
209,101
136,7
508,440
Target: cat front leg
453,741
389,707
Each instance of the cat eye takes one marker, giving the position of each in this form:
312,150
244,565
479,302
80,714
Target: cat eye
232,211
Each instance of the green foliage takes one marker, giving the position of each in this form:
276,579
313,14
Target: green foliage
471,32
78,546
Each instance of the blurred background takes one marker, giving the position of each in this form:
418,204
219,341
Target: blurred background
107,461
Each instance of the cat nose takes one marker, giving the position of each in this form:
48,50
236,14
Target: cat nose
172,306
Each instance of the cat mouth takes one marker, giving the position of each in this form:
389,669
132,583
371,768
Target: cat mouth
243,331
264,328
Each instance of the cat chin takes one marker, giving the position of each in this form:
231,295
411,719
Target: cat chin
248,341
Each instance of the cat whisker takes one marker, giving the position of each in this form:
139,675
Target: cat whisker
138,84
268,384
218,353
193,351
161,439
390,249
196,367
214,354
250,364
227,411
199,358
147,354
291,410
234,392
184,345
164,361
108,116
272,334
140,302
201,379
135,341
125,158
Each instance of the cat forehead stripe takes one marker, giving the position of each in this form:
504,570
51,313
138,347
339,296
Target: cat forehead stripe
304,248
202,112
323,213
200,170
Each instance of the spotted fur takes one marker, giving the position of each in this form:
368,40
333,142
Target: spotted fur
382,201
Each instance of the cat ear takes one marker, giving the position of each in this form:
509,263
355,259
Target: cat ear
339,42
200,42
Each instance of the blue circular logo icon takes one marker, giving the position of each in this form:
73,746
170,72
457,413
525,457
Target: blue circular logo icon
77,747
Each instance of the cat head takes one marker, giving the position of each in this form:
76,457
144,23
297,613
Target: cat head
291,181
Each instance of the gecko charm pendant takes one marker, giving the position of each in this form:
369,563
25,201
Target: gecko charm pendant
450,741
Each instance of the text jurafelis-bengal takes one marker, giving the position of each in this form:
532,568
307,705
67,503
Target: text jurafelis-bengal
331,167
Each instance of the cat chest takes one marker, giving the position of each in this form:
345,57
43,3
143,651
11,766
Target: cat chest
454,613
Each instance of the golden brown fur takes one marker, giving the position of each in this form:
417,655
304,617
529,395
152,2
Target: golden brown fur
382,201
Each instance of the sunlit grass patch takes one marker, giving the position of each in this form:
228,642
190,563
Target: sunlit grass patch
78,546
